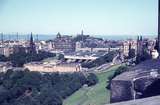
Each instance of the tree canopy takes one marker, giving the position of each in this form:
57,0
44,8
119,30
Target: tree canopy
34,88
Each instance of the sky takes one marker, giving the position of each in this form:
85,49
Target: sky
95,17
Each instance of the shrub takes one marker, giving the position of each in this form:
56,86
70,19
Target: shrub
92,79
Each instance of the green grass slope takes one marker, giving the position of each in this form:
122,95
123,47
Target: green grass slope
95,95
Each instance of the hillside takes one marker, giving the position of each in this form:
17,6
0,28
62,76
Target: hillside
95,95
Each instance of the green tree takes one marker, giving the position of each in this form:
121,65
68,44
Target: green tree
131,53
92,79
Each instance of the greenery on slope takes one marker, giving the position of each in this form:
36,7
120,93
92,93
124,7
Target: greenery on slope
34,88
95,95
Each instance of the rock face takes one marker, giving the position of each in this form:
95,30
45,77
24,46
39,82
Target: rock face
137,83
120,91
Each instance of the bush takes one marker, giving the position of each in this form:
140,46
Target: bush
18,59
3,58
33,88
92,79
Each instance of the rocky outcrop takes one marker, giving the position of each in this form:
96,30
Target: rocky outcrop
136,83
120,91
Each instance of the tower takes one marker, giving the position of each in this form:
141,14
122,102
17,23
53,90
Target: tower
2,39
139,45
17,36
58,35
31,40
32,47
82,32
139,49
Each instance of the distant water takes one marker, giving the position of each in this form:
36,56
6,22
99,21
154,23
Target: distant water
51,37
124,37
27,37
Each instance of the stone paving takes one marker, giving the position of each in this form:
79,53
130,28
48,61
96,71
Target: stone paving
146,101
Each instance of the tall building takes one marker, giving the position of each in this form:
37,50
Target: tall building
139,45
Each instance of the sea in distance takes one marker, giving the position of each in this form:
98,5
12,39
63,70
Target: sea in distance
51,37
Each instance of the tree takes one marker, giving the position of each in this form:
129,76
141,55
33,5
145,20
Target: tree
92,79
131,53
33,88
19,59
3,58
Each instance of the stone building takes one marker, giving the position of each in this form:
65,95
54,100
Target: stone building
4,66
53,67
31,48
139,45
63,43
126,44
8,50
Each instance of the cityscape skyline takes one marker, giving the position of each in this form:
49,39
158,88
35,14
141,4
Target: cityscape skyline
105,17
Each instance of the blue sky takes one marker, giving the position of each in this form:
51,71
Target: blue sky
107,17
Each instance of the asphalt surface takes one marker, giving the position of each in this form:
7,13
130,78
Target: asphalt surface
146,101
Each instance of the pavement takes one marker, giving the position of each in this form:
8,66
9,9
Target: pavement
146,101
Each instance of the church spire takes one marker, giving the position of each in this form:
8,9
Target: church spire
32,48
82,32
141,39
31,39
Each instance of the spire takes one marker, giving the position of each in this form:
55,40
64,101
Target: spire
82,32
32,45
130,45
58,35
2,39
137,38
31,39
17,36
141,38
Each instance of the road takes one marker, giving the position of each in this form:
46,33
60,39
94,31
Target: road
105,66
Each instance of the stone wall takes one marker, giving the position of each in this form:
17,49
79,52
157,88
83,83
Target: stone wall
120,91
124,90
145,101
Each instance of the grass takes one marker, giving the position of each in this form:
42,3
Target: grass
95,95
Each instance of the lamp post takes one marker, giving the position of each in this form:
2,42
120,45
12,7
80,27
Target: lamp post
153,74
